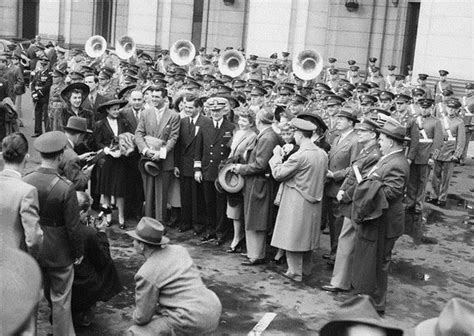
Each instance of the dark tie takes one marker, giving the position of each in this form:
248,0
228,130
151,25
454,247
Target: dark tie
191,126
216,126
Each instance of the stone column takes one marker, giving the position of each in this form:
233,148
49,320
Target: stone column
9,19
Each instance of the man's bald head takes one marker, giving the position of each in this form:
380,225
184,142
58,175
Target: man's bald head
136,99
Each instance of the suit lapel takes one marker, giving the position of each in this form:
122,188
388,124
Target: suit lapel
164,120
341,144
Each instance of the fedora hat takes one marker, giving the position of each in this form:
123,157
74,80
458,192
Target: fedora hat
75,86
111,102
77,124
218,186
150,231
314,118
149,167
20,286
393,129
230,181
454,319
357,310
349,113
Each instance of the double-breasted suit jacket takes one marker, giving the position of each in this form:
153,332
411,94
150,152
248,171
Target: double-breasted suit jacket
87,104
212,148
186,145
19,214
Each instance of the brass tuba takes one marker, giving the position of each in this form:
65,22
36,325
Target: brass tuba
95,46
182,52
125,47
307,64
231,63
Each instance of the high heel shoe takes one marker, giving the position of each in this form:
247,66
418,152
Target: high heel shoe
237,248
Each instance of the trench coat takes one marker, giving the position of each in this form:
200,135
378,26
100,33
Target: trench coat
260,187
298,222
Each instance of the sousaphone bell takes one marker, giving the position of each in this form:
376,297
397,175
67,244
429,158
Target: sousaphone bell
231,63
182,52
307,65
95,46
125,47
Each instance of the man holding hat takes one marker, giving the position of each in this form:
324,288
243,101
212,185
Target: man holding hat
156,136
59,220
40,87
71,163
298,222
378,208
212,148
367,132
170,297
343,151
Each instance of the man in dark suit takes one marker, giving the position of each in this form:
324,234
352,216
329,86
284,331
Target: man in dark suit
344,150
134,198
192,194
376,237
211,149
156,136
94,99
59,219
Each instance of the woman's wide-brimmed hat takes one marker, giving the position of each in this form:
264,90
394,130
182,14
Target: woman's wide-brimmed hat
65,93
111,102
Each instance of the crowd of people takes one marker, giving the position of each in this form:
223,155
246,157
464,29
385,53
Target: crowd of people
262,159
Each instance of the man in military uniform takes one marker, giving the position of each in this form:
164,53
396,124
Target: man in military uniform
441,85
386,101
466,101
404,117
327,72
429,144
210,151
40,87
333,79
422,85
63,245
390,78
450,152
376,77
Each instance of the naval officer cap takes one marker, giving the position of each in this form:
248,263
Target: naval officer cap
50,142
303,125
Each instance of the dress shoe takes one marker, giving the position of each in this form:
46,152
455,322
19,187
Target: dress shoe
36,135
432,200
280,261
253,262
331,288
237,248
122,226
293,276
441,203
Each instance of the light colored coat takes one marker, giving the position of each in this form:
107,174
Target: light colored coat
169,284
298,222
19,216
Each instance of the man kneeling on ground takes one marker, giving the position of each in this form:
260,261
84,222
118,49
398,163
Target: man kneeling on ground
170,296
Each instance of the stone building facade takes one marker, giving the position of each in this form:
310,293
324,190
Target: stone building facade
428,34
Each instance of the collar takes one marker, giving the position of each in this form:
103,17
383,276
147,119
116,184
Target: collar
45,170
369,144
389,154
343,135
219,123
12,172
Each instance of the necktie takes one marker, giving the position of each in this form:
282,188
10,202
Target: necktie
216,126
191,126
